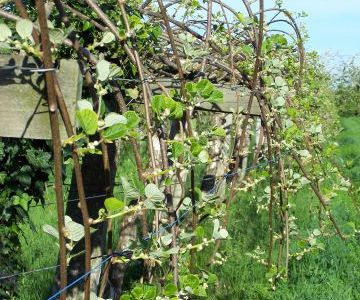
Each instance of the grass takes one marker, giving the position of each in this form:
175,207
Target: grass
38,250
330,274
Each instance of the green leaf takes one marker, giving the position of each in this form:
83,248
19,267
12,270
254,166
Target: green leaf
166,239
279,81
130,193
133,119
178,111
200,232
205,87
115,131
2,177
23,202
203,156
304,153
162,104
75,230
133,93
114,204
137,292
108,37
216,96
177,149
24,28
279,102
219,131
191,88
56,35
103,69
5,32
170,290
212,279
114,118
88,120
149,292
316,232
84,104
153,193
195,148
125,297
247,49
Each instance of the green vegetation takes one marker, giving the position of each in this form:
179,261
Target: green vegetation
292,218
332,273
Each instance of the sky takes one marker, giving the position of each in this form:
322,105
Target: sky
333,25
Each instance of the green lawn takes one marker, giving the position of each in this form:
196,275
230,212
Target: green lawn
330,274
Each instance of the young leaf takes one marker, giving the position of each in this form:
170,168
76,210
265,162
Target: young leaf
84,104
153,193
279,102
88,120
24,28
177,149
114,204
76,230
191,88
203,156
115,131
103,69
56,35
5,32
166,239
279,81
130,193
219,131
170,290
114,118
205,87
23,202
216,97
133,93
133,119
107,38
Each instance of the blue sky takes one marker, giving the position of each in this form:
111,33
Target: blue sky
332,25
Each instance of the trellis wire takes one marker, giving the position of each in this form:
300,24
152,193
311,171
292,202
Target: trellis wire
79,279
30,69
149,79
105,195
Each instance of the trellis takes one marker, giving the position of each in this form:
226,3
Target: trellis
239,91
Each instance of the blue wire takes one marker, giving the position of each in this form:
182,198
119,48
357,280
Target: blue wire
76,281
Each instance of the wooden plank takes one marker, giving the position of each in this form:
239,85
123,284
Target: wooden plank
23,106
230,98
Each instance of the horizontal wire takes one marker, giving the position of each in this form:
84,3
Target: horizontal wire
30,69
41,269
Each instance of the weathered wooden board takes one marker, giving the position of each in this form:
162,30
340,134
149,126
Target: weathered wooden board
230,99
23,105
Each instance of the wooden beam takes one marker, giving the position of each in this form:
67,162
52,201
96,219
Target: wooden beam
24,109
230,98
